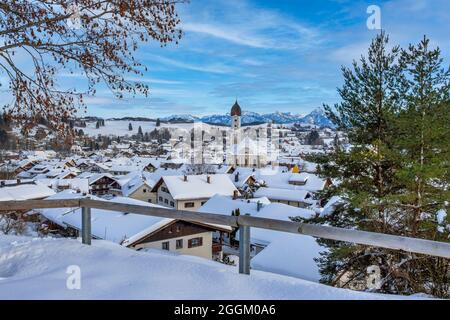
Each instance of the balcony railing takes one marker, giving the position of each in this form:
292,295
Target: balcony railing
243,222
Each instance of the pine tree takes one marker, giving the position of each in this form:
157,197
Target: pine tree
140,134
130,127
369,102
97,125
424,137
158,122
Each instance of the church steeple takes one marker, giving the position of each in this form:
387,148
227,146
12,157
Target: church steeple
235,116
236,109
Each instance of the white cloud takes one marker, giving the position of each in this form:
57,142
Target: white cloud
225,33
209,68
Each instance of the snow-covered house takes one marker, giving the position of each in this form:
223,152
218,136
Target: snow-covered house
288,254
100,183
294,181
25,192
136,185
139,231
296,198
190,192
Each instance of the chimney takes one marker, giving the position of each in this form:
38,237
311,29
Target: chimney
208,179
185,178
258,206
236,177
235,194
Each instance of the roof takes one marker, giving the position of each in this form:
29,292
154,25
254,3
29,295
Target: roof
197,187
119,227
236,109
282,194
133,184
279,211
93,177
25,192
291,255
299,177
277,179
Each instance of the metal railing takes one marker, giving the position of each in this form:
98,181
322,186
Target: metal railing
243,222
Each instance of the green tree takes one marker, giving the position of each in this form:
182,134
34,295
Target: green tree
423,131
130,127
370,99
313,138
158,122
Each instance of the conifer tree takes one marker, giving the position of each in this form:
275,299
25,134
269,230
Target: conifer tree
395,111
370,100
423,131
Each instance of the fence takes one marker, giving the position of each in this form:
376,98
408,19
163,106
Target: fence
243,222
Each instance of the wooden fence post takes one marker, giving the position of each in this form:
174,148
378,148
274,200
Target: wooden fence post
86,232
244,249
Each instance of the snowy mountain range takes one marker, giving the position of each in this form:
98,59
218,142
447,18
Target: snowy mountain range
316,117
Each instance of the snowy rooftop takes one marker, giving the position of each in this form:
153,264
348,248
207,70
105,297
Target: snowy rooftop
282,194
118,227
197,186
108,225
25,192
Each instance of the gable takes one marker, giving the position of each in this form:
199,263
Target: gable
175,229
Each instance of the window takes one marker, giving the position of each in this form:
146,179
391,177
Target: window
165,245
179,244
172,204
160,199
150,200
166,201
195,242
203,202
144,190
164,189
189,205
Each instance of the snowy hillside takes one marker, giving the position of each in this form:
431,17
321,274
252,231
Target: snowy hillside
120,127
35,268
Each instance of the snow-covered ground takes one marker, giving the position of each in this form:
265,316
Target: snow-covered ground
36,268
120,127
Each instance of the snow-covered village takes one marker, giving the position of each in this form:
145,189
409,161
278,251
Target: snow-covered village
101,198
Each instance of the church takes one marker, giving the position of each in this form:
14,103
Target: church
249,147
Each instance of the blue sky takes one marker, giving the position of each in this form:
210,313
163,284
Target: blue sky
272,55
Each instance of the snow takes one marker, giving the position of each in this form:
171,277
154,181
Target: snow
299,177
36,268
282,194
330,206
225,205
278,179
118,227
197,187
25,192
291,255
120,127
441,215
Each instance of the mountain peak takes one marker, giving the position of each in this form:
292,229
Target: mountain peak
316,117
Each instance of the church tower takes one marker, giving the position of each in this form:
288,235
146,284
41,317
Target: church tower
236,116
235,132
